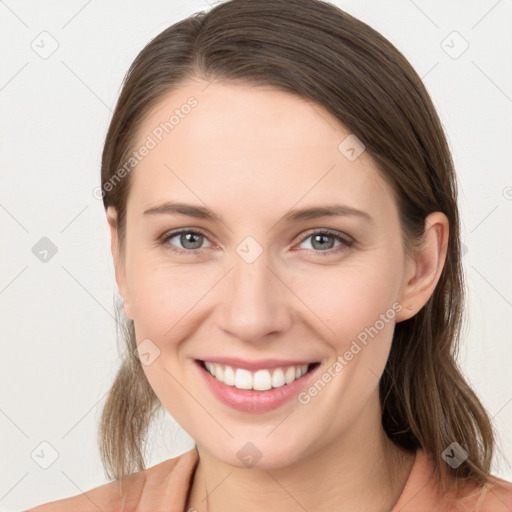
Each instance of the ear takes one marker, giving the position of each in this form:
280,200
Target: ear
118,258
423,269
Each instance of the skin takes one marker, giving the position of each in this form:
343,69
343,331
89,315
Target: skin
251,154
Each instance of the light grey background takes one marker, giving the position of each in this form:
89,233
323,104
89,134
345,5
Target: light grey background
59,353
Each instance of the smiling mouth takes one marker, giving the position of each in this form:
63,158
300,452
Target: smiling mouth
259,380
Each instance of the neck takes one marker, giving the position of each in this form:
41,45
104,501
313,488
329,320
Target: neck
360,470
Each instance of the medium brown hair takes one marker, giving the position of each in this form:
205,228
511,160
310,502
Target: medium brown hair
314,49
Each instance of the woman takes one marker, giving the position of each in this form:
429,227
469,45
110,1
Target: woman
283,213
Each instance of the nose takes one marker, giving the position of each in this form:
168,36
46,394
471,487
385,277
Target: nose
255,301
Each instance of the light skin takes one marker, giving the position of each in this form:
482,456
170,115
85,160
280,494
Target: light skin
251,154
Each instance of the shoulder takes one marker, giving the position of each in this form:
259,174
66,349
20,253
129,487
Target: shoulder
168,482
422,493
495,496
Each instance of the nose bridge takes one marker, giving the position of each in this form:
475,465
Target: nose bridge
253,304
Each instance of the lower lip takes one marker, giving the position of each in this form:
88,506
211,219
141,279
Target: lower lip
249,400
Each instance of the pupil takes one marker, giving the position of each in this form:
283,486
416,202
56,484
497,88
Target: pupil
322,237
186,239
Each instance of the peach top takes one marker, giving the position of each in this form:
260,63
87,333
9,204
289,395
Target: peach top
165,488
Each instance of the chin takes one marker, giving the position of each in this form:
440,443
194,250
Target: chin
261,452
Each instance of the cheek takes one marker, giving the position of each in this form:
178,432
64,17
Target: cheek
350,299
163,294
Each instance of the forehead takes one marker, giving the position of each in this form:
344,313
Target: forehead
222,140
241,119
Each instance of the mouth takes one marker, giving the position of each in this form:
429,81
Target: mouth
257,379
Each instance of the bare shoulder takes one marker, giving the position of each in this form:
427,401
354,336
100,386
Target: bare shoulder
128,492
498,496
493,497
102,498
106,497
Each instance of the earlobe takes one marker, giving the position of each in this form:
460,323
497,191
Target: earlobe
424,270
118,259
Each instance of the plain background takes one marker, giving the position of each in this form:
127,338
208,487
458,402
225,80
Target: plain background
59,353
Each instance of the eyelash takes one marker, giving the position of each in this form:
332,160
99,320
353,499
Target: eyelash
346,242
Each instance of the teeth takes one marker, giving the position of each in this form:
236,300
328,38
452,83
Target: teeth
229,376
261,380
243,379
290,375
209,367
278,378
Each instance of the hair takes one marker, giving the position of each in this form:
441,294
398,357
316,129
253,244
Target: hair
315,50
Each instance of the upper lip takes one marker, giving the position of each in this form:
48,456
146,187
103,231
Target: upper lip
260,364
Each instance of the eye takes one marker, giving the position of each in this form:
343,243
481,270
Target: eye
191,241
322,242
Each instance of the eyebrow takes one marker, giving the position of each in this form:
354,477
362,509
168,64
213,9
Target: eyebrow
294,215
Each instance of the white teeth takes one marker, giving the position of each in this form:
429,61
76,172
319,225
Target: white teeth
261,380
278,378
243,379
290,375
219,372
209,367
229,376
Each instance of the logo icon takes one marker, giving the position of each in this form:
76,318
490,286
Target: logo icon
249,454
44,250
351,147
45,45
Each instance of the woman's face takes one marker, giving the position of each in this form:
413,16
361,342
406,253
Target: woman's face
264,287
